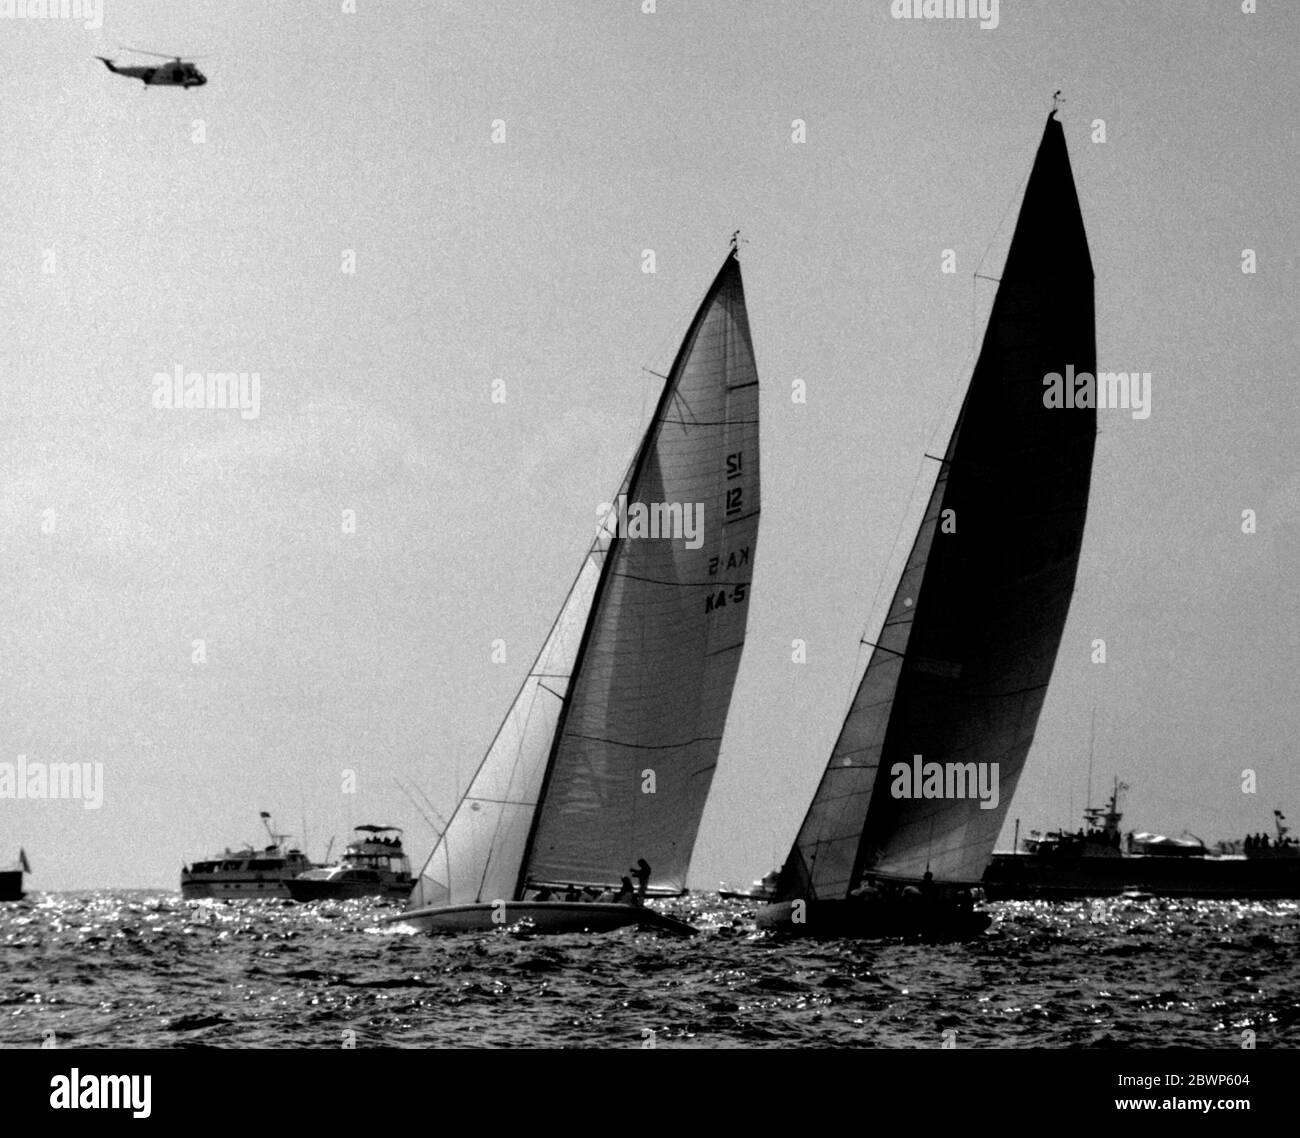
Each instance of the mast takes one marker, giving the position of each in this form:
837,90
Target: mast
638,465
959,671
1092,735
276,839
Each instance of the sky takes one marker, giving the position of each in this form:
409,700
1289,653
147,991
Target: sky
210,229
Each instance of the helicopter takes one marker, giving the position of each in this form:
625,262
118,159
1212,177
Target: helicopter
178,73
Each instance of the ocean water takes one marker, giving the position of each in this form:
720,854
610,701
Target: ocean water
140,969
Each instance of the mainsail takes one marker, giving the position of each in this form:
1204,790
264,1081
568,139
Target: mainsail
607,754
959,672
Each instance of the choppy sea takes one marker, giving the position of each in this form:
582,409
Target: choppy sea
141,969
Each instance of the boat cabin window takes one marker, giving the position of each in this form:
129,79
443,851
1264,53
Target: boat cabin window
263,864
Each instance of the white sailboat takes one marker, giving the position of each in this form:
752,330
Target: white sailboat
607,753
900,829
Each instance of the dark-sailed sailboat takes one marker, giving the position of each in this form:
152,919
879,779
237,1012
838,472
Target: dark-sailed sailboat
954,685
606,756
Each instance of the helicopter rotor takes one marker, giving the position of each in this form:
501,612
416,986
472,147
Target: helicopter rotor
161,55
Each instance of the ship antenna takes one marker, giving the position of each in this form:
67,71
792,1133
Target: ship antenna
1057,101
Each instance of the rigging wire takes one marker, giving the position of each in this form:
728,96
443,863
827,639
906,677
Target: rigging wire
418,808
965,368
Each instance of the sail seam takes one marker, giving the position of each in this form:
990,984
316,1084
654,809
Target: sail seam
882,648
730,648
713,422
646,746
675,584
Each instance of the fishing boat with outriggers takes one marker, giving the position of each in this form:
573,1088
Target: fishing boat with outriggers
607,753
246,873
901,826
373,865
11,879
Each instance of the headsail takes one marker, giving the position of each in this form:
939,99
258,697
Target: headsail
960,670
608,751
478,854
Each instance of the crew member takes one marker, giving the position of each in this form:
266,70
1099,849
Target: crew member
641,871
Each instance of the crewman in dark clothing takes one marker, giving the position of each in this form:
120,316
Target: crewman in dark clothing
641,871
626,895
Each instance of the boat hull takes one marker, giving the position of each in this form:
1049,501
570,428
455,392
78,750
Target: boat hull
11,885
921,919
234,890
542,917
306,889
1030,877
